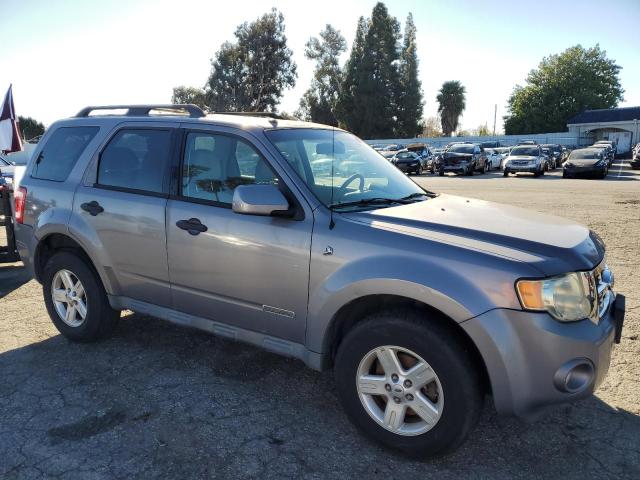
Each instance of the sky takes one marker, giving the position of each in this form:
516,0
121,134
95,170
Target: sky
62,55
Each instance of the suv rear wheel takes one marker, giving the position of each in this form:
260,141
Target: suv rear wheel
407,383
76,300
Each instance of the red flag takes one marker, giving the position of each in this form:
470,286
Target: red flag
10,140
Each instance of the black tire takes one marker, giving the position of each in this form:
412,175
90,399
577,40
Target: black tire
100,319
469,172
441,173
483,170
565,175
505,173
442,349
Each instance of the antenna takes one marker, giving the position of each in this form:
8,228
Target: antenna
333,157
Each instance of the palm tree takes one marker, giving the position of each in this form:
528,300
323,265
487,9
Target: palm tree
451,100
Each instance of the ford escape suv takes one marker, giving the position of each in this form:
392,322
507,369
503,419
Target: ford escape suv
421,303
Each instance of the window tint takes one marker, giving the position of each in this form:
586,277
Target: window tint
61,152
136,159
462,149
214,165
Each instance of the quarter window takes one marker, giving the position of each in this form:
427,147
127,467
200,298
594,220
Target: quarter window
214,165
61,152
136,159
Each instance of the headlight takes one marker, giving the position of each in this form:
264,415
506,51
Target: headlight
567,298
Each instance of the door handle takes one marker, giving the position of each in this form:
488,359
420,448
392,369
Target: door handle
92,207
193,226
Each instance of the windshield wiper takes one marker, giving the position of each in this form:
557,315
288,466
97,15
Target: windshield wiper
365,202
419,194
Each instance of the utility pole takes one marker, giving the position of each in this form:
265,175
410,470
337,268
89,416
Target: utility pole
495,112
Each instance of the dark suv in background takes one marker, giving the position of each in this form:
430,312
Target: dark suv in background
464,158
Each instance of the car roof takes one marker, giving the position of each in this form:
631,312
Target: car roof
250,121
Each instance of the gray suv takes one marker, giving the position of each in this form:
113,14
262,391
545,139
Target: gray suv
421,303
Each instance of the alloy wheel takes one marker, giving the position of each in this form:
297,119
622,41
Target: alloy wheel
69,298
399,390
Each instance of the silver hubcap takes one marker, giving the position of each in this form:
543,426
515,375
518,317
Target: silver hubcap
69,298
399,390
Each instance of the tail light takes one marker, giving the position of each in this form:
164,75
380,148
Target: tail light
20,197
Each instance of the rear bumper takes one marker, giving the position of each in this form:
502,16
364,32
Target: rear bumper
25,244
529,355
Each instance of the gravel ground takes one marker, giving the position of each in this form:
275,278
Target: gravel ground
157,400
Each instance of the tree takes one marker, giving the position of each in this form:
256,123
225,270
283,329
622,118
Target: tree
251,74
482,131
319,102
30,127
192,95
563,85
432,128
410,103
348,110
451,104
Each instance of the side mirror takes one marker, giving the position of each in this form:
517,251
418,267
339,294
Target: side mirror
262,200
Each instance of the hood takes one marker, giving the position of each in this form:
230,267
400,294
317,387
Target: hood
552,245
587,162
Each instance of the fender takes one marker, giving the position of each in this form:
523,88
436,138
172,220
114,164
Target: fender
427,279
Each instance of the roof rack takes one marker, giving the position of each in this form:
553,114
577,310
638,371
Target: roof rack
144,110
275,116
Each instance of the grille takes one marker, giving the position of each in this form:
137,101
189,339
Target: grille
603,279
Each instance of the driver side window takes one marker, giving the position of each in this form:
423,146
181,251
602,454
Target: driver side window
214,165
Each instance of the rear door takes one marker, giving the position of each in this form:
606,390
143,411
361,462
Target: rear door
248,271
121,205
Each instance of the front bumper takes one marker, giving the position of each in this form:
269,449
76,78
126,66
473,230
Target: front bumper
458,168
408,167
521,168
527,353
586,171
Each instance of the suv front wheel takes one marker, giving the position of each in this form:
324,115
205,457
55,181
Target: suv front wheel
408,383
76,300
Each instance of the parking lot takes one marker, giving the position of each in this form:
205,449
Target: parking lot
157,400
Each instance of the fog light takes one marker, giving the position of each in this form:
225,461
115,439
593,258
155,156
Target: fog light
574,376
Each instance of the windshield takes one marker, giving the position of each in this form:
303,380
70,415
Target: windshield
340,168
406,155
461,148
584,154
524,151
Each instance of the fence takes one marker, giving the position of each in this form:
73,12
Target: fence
562,138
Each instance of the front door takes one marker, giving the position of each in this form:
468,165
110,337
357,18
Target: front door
248,271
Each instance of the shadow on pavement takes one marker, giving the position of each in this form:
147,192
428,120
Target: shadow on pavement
160,400
12,277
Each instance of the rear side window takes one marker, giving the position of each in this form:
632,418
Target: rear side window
61,152
136,159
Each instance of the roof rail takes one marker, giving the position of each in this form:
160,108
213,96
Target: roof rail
275,116
143,110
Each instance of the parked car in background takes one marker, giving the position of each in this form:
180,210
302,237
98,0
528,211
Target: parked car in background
635,157
410,162
555,154
425,153
490,144
464,158
527,142
586,162
493,158
612,144
607,149
525,158
547,159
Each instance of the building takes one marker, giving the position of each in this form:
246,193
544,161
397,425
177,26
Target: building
619,124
